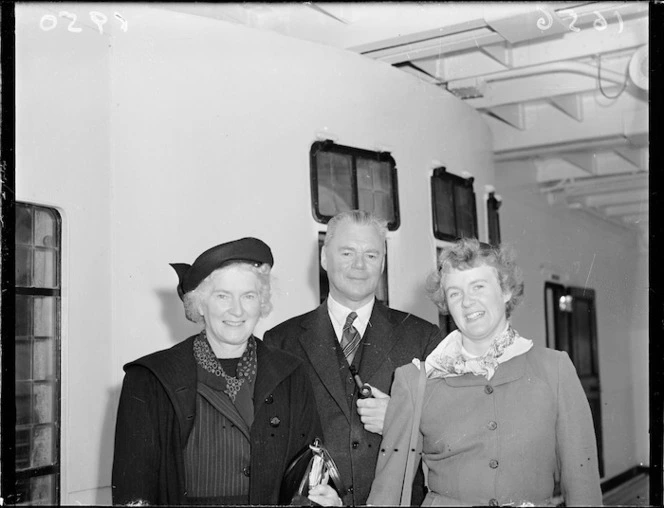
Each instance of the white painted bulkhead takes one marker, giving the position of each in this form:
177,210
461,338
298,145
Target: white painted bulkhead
184,132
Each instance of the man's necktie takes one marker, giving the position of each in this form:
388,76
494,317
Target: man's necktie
350,338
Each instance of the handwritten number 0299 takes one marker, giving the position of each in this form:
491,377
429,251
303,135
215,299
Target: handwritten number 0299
48,21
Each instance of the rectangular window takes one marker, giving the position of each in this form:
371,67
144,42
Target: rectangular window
324,284
345,178
493,203
453,206
34,463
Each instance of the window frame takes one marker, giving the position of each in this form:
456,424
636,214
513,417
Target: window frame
441,173
330,146
10,475
493,204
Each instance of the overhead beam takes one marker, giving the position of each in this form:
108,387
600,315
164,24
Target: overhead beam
615,220
333,11
499,52
635,156
599,184
636,218
555,148
381,48
571,105
635,126
419,73
613,198
599,122
519,22
572,46
625,209
437,47
512,114
584,160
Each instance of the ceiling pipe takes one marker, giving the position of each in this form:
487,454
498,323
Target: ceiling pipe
549,68
577,187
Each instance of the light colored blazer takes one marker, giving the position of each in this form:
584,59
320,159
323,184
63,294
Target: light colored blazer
494,442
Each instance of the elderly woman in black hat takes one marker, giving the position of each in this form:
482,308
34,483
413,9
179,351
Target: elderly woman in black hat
217,418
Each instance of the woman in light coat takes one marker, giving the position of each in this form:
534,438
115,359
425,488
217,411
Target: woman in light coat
504,422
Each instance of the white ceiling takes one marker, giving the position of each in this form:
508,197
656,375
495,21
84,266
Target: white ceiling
530,69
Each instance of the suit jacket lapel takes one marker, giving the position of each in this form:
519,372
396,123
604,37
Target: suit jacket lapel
320,345
379,339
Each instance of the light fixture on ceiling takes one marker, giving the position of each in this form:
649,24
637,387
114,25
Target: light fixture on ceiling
638,67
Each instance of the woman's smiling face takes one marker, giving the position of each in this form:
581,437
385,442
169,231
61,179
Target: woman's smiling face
477,304
231,305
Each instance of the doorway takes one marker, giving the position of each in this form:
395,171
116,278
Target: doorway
571,326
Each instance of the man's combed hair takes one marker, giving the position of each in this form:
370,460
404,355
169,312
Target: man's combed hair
360,217
192,299
470,253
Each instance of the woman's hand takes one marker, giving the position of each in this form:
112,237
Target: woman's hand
324,495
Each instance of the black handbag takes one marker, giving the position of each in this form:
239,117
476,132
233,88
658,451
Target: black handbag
305,472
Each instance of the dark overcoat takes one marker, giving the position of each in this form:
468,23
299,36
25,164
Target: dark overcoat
392,338
157,411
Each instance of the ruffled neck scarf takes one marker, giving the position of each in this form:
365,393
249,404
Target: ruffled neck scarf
451,359
246,367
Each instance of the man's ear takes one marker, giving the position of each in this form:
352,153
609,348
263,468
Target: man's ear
323,258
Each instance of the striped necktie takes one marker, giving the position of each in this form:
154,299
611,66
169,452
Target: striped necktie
350,338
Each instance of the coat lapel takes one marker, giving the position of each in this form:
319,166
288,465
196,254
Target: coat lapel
320,345
273,366
379,339
224,405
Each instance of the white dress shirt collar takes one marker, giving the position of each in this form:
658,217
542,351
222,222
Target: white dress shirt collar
338,314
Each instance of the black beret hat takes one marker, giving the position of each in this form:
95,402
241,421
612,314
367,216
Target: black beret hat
244,249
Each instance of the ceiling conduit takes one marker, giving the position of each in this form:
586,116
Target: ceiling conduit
549,68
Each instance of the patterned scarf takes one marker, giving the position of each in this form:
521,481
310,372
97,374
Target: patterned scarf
246,367
450,358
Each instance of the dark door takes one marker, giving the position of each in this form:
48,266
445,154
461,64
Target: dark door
571,327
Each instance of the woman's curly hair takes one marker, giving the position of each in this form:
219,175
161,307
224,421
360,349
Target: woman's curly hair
192,299
470,253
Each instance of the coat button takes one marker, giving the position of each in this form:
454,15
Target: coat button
493,425
488,389
493,502
275,421
355,445
493,463
246,471
269,399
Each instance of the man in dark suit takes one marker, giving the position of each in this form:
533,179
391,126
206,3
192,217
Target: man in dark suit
352,329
